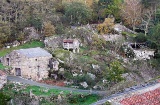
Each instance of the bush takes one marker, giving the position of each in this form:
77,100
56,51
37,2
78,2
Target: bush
140,38
84,78
4,98
151,44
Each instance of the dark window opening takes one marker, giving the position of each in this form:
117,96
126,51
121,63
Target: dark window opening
8,61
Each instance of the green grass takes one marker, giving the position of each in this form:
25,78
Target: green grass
129,34
76,98
31,44
1,66
38,91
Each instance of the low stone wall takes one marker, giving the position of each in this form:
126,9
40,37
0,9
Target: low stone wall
3,79
112,37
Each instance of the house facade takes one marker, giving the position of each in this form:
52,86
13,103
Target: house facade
72,44
29,63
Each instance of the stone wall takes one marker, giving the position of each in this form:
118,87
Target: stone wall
112,37
34,68
3,79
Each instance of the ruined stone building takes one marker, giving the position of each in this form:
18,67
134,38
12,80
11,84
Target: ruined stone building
29,63
71,44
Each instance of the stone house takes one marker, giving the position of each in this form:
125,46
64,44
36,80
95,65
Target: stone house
71,44
3,79
29,63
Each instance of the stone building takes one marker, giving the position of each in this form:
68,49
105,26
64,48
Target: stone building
71,44
29,63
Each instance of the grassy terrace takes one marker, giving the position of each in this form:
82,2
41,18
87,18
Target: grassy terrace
12,89
1,66
31,44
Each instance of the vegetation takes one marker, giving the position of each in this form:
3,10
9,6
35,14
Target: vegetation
85,20
106,27
77,13
4,98
1,66
68,97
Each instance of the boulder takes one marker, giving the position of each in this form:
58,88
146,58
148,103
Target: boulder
84,84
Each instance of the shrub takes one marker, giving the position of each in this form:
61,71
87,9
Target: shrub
140,38
4,98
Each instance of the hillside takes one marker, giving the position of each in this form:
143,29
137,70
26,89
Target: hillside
93,44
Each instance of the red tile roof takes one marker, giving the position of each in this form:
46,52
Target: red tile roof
148,98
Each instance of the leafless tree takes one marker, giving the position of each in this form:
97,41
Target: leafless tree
131,12
147,17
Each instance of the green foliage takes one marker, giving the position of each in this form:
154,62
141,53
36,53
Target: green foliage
77,13
114,9
2,67
107,103
60,29
4,98
82,99
31,44
155,36
98,43
128,34
113,72
70,98
35,22
84,78
62,54
5,32
140,38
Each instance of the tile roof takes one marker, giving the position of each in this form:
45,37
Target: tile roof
34,52
148,98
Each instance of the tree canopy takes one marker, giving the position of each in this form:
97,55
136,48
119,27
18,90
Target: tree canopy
77,13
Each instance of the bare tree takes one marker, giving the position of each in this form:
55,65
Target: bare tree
147,17
131,12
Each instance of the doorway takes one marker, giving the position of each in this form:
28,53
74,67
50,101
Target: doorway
7,61
18,71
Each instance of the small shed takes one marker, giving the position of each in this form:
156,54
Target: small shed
72,44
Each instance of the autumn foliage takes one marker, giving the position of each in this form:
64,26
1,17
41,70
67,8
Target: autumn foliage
106,26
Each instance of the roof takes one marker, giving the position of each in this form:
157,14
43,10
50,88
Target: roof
148,98
34,52
68,40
